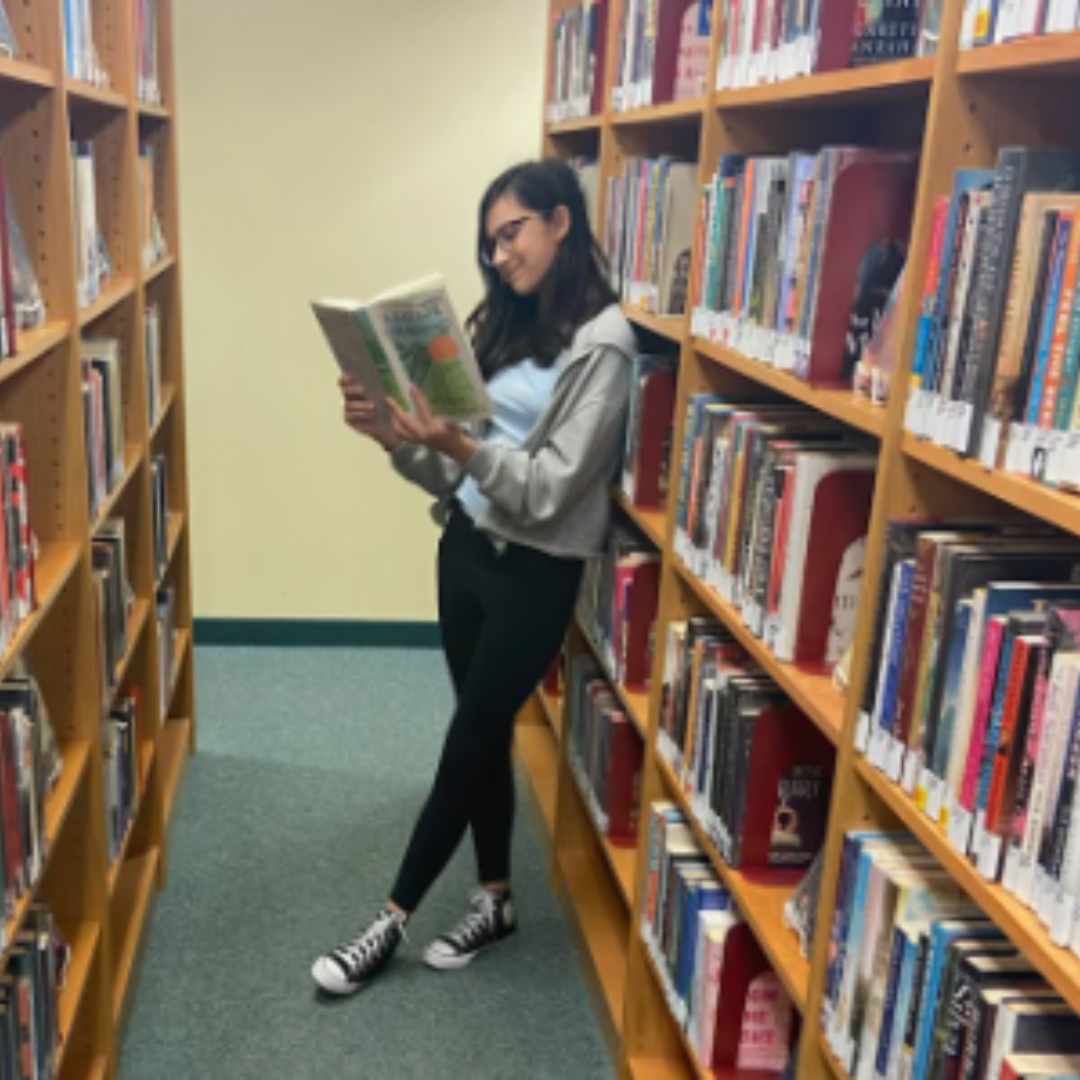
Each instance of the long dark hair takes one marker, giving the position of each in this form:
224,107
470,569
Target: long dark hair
505,327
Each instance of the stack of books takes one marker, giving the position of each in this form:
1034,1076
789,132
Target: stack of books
576,61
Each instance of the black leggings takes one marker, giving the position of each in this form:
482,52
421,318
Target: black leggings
502,618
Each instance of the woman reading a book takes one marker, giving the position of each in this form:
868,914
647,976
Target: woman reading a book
524,500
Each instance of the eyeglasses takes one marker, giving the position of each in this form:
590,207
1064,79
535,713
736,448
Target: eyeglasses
504,237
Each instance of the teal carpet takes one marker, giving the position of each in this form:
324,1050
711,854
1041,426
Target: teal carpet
312,767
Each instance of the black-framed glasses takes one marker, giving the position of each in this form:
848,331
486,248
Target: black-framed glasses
504,236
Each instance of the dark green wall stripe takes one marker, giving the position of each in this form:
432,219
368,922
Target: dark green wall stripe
317,632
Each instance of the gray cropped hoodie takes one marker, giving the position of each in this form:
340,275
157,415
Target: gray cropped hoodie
552,492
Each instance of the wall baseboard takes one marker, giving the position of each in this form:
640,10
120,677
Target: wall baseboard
324,633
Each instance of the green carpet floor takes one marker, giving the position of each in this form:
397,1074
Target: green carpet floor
312,767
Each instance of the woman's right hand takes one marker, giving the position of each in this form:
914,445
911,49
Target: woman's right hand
362,416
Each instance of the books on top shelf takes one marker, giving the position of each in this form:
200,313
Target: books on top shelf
605,752
992,22
120,750
147,82
649,431
766,41
81,60
717,981
617,605
577,57
103,416
663,53
800,255
409,335
154,245
918,983
996,360
649,231
757,772
772,514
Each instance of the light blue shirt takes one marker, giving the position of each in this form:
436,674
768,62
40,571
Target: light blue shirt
519,394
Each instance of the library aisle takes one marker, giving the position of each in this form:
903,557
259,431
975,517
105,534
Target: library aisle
283,840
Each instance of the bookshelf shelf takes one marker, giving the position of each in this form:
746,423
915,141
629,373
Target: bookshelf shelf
147,753
813,693
760,897
136,626
132,460
84,944
660,1068
853,86
132,899
83,93
687,112
153,112
1047,54
183,646
693,1062
174,753
575,127
831,1062
33,345
23,73
551,711
1059,966
168,396
177,522
621,861
538,751
151,273
843,405
669,327
651,521
62,797
118,289
1060,508
635,702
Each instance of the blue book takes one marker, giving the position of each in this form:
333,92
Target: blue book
1048,318
885,707
892,1040
993,727
700,896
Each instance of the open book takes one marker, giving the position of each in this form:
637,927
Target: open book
407,335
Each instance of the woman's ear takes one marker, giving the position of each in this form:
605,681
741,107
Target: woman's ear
560,221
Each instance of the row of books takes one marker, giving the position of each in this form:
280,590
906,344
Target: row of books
578,49
663,52
992,22
920,984
798,251
34,974
30,764
765,41
649,230
120,760
646,456
147,80
717,981
103,417
152,349
165,620
757,772
772,513
114,597
81,60
971,701
154,245
617,605
159,508
605,752
997,357
22,306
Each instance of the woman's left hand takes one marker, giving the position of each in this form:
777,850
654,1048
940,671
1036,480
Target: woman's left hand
427,429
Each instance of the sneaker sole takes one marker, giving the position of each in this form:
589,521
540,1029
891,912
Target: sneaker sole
331,983
442,962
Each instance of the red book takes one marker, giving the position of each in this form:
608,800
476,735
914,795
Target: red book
743,962
637,613
625,753
599,20
656,391
669,19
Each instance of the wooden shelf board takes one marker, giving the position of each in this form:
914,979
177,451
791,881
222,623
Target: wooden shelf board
33,345
132,461
635,702
552,711
168,399
85,93
1059,966
133,893
98,1068
147,753
159,268
536,748
183,643
683,112
55,564
665,326
658,1068
60,800
84,944
26,74
622,861
874,82
1060,508
693,1062
843,405
135,627
1049,54
153,112
575,127
760,897
602,930
174,743
814,693
652,521
831,1061
176,529
116,291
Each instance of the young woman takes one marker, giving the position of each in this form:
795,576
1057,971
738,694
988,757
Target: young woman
524,500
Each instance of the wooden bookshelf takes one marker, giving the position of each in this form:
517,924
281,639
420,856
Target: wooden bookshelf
102,909
957,108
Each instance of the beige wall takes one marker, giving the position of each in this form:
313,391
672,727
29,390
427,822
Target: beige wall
331,148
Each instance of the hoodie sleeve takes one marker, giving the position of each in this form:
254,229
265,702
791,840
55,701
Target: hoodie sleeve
437,474
536,486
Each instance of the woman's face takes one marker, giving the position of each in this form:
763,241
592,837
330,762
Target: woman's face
522,244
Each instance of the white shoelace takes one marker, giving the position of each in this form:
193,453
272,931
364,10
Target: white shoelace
479,922
370,946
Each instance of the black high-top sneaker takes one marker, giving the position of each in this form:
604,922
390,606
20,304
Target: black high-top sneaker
351,966
490,919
